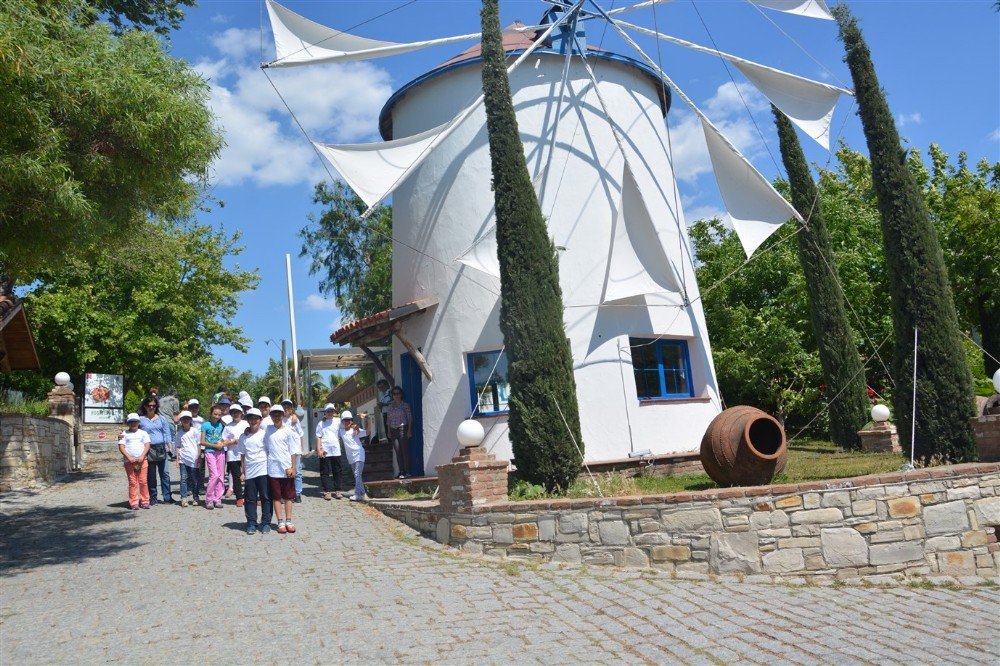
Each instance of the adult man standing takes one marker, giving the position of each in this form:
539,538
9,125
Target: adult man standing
169,406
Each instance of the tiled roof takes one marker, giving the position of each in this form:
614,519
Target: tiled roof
379,324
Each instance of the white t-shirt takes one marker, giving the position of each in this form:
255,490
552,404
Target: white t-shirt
227,419
251,448
197,421
281,444
297,429
135,442
329,431
353,448
233,431
187,443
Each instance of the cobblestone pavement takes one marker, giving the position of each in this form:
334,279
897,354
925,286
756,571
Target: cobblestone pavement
84,580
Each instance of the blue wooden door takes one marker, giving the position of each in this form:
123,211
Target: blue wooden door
412,382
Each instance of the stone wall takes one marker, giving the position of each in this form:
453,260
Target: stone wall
33,450
936,522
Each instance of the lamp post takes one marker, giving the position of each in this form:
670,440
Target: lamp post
284,366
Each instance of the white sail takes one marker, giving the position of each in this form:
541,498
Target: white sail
811,8
372,169
755,207
638,264
807,103
483,254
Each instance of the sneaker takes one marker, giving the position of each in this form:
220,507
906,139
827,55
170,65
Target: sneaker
144,506
298,499
239,502
251,528
152,501
400,476
290,527
133,507
339,495
169,501
218,505
281,528
265,529
353,498
184,503
209,505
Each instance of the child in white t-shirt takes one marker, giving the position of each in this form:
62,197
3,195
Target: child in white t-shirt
230,436
253,460
351,436
134,445
328,450
187,444
283,451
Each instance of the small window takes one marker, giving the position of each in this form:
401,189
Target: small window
662,368
488,382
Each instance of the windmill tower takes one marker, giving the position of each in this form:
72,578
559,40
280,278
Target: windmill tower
593,127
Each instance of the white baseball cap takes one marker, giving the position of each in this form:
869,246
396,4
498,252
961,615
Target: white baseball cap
236,407
346,414
330,407
193,401
263,399
132,417
185,415
276,409
246,404
288,401
253,411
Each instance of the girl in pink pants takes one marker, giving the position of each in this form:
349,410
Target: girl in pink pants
215,458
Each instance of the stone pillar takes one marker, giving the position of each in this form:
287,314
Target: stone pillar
882,438
473,478
62,405
987,429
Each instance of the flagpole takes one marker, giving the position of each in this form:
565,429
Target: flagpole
291,319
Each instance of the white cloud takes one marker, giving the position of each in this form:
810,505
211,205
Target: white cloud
219,19
905,119
317,302
995,135
334,102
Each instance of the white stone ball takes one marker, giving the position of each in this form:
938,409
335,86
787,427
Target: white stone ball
996,380
62,378
880,413
471,433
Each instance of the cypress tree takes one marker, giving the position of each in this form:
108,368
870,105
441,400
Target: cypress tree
531,309
838,355
921,295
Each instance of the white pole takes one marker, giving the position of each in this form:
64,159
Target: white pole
291,319
913,418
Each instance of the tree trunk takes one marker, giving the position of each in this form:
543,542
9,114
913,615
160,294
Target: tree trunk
918,279
842,367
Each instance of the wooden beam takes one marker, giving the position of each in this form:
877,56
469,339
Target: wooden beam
414,352
378,364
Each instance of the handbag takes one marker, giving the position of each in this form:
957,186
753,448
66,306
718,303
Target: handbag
157,453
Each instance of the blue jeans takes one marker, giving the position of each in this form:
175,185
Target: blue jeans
190,481
164,470
298,477
359,486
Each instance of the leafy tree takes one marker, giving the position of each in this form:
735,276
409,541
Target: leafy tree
831,329
161,16
151,307
100,134
531,308
352,257
921,295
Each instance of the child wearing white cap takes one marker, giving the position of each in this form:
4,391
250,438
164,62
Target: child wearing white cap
253,457
134,445
351,435
283,451
187,444
230,436
292,421
328,450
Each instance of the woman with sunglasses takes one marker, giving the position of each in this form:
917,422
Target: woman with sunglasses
161,443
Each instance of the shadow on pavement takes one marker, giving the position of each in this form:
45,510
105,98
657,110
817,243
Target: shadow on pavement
61,535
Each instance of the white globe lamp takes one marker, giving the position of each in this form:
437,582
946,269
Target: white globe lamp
996,380
62,378
880,413
470,433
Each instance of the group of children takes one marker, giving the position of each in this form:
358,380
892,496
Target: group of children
262,455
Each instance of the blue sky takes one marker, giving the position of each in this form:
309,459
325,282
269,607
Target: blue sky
939,62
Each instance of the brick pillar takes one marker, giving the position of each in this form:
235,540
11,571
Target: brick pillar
882,438
987,429
62,405
473,478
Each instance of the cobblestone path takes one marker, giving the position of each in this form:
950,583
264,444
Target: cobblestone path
84,580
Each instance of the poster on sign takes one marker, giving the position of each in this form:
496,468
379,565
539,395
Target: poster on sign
103,398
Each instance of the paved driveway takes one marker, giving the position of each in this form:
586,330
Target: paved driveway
86,581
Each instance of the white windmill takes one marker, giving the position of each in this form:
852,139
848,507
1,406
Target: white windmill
592,124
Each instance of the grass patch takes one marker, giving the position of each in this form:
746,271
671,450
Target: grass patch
404,494
808,460
31,408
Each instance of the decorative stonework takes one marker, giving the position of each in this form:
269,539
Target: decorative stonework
987,430
33,450
473,478
931,522
881,438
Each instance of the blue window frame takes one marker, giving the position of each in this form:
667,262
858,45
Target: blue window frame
489,388
662,368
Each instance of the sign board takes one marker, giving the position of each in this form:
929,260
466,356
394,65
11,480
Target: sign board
103,398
